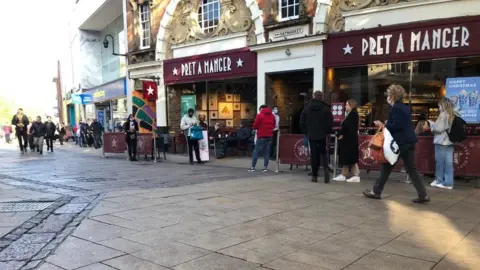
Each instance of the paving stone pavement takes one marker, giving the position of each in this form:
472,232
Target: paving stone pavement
151,217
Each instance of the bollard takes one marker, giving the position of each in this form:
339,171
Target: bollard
154,148
277,169
103,145
335,155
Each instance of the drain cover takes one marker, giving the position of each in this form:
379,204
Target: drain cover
23,206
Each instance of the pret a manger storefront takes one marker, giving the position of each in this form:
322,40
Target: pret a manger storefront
431,60
220,86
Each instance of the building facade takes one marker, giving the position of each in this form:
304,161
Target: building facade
92,76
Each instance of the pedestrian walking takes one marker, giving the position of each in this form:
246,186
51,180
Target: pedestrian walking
316,122
20,121
348,144
186,124
7,131
29,135
83,128
38,131
443,146
50,133
131,129
264,125
399,125
62,131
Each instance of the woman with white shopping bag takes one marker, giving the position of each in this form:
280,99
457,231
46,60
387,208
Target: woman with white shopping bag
399,125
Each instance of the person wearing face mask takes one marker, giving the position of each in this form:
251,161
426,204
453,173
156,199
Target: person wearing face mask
399,124
273,149
131,129
188,121
348,144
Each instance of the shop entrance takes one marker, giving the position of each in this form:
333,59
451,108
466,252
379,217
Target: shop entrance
290,91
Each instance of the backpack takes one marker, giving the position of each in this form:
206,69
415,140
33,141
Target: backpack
458,130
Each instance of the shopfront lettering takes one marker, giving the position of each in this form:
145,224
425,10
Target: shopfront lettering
425,40
217,65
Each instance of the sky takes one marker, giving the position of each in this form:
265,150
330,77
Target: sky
30,46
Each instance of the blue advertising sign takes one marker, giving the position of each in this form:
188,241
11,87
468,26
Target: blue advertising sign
82,99
101,117
463,92
111,90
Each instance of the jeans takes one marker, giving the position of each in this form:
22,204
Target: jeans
354,167
38,141
444,164
407,154
263,144
132,145
318,153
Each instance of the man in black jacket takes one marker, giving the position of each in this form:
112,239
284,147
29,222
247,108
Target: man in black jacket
97,130
83,133
38,131
316,122
20,121
50,133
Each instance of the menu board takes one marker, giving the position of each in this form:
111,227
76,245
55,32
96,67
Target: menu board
463,92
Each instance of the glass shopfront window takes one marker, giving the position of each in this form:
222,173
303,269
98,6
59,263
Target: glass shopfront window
424,81
227,102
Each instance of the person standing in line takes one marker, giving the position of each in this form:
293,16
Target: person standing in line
20,121
188,121
7,130
443,146
348,143
316,122
50,134
399,124
131,129
38,131
97,130
273,153
264,125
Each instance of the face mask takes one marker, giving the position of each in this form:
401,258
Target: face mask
190,115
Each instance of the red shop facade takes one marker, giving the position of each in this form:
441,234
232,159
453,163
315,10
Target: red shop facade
220,87
422,57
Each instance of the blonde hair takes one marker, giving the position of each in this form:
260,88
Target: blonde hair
352,102
446,105
397,92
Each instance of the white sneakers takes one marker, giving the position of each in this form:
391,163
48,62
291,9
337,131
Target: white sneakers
435,184
342,178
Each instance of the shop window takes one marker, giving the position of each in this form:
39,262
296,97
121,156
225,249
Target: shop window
209,15
145,26
425,86
289,9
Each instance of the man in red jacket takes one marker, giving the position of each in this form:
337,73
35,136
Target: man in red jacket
264,125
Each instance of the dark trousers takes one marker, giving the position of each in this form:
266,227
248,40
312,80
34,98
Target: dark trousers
49,139
30,142
318,153
61,138
229,142
97,140
407,154
22,140
193,145
273,148
132,146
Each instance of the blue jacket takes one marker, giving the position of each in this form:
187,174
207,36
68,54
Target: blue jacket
400,124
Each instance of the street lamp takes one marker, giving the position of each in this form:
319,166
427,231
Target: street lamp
105,45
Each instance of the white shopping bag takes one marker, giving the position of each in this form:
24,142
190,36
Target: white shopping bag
390,147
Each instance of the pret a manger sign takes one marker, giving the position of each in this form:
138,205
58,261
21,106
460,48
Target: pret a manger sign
426,40
444,38
220,64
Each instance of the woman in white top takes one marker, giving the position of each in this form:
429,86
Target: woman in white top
443,146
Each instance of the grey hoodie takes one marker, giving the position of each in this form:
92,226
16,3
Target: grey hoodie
440,129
